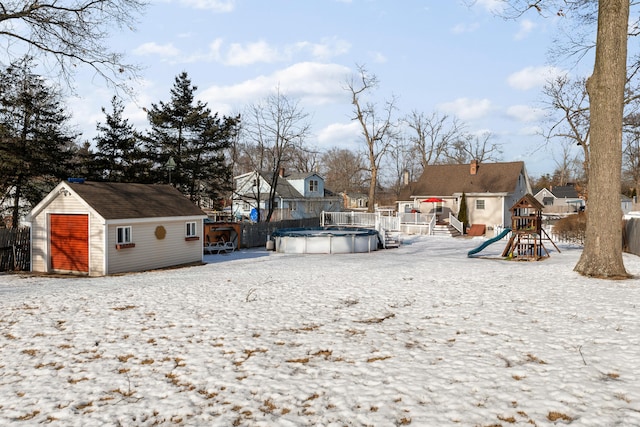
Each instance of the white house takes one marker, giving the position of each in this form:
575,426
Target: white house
297,195
490,190
101,228
560,199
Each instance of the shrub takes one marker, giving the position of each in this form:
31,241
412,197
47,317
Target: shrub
571,228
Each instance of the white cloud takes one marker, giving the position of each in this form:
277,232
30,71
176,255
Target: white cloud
244,54
251,53
313,83
465,28
525,113
378,57
491,5
214,5
326,49
526,26
467,109
344,135
532,77
152,48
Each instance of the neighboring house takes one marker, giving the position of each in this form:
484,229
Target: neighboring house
101,228
490,190
297,196
560,199
355,201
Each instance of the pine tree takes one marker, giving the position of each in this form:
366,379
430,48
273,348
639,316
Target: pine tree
118,156
463,215
186,131
35,142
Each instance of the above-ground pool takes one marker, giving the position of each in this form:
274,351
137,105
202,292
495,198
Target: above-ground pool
325,240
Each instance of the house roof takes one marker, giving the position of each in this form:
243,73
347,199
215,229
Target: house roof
447,180
565,192
116,200
283,187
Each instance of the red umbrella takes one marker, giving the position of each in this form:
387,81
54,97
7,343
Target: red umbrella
433,200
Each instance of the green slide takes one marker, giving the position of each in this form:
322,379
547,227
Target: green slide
488,242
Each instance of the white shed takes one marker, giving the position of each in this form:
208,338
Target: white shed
101,228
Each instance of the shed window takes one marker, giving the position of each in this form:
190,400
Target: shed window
313,185
123,235
479,204
191,229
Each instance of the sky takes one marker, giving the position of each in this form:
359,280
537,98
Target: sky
431,55
420,335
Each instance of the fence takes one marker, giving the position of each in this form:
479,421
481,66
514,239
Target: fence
14,249
253,235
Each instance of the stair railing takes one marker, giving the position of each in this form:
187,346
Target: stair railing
455,223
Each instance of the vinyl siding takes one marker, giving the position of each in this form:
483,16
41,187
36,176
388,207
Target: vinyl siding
490,215
40,234
149,251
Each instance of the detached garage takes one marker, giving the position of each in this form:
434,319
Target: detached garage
101,228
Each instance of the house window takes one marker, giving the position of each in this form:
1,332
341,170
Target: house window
313,185
246,207
191,229
479,204
293,206
123,235
124,238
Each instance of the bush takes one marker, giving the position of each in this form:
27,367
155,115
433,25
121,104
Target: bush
571,228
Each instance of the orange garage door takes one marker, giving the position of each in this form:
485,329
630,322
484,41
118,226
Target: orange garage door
69,242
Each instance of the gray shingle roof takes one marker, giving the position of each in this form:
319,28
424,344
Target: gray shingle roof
446,180
565,192
116,200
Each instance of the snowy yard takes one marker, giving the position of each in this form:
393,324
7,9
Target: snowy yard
420,335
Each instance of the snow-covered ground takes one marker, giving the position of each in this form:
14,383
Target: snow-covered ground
420,335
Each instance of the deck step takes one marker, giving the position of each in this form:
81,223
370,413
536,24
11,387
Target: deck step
445,230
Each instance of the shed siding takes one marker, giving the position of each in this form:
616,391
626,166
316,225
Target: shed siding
40,251
149,251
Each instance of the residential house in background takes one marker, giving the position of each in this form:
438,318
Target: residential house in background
101,228
560,199
490,190
297,196
355,201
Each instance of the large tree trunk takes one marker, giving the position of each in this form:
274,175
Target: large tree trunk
602,254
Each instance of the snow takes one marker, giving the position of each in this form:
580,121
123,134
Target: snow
420,335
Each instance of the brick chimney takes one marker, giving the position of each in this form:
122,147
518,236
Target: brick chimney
473,170
281,173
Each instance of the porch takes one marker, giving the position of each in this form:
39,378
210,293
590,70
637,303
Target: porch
386,221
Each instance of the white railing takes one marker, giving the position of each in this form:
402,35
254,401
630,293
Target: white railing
360,219
455,223
432,224
414,218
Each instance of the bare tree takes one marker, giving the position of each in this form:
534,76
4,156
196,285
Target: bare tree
378,129
275,127
565,164
343,170
602,254
631,153
569,98
70,33
433,135
470,147
403,165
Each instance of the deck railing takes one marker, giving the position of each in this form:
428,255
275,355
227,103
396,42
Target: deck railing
455,223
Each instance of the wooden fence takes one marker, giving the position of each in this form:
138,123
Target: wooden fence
14,249
254,235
